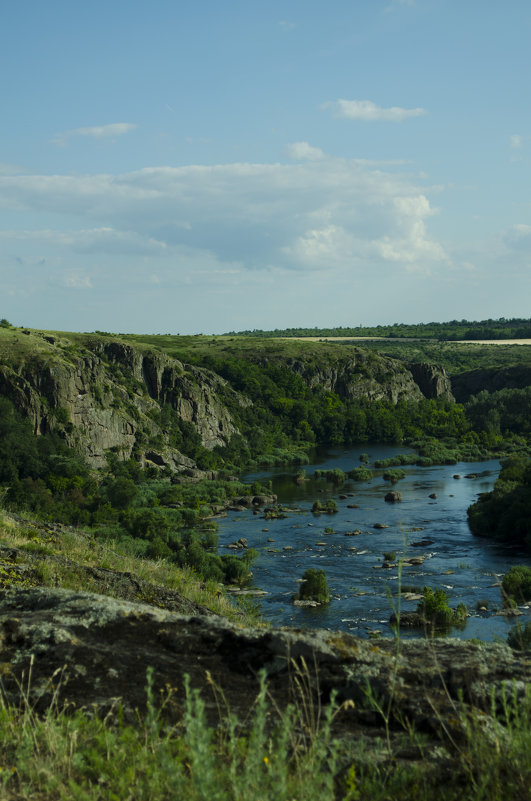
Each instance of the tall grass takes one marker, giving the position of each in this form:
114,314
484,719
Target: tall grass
272,756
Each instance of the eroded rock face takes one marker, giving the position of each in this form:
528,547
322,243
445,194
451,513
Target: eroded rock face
365,375
103,648
372,376
107,398
432,380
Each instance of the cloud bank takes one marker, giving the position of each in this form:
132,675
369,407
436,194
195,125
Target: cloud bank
322,213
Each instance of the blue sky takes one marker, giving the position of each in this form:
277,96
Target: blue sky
198,168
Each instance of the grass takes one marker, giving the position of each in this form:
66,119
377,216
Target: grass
272,756
65,555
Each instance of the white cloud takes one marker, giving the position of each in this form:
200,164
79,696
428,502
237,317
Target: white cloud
95,132
302,151
197,222
517,141
367,111
518,237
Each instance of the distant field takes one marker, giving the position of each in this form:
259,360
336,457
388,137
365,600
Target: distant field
495,341
417,339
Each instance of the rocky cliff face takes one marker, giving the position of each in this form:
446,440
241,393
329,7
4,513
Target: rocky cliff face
432,380
375,377
108,395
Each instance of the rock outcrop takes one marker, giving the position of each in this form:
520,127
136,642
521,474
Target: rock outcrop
106,394
432,380
366,374
90,650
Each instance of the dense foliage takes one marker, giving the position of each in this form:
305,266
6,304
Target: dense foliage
505,513
516,584
314,586
516,328
136,507
435,609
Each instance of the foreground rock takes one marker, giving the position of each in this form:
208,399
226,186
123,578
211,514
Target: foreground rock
93,650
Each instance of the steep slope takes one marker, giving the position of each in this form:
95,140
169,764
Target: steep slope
103,394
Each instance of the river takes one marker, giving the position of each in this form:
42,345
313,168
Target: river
364,593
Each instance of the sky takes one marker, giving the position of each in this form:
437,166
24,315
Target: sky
172,167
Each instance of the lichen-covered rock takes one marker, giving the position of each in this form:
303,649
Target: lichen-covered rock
107,394
91,650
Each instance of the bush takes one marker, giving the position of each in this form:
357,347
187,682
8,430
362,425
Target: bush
360,474
519,637
516,583
435,609
314,586
336,476
394,475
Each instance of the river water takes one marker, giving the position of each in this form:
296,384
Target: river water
364,594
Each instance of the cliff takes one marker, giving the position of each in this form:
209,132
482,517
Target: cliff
105,394
355,374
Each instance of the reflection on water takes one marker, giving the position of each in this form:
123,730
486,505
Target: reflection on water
364,593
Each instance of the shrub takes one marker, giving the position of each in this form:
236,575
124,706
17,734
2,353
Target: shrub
394,475
516,583
435,609
360,474
519,637
336,476
314,586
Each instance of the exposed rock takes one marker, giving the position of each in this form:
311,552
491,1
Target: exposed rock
432,380
91,650
107,392
363,374
393,497
409,620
